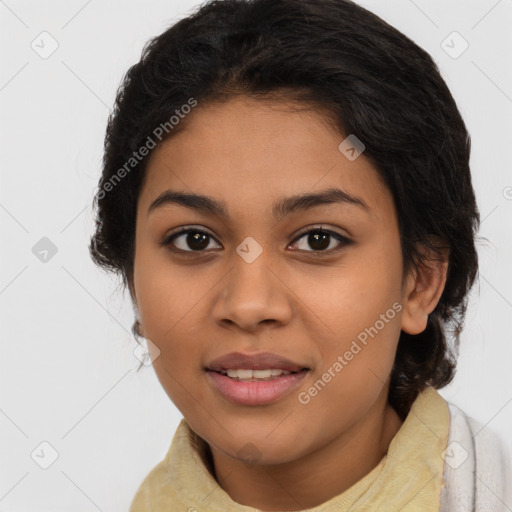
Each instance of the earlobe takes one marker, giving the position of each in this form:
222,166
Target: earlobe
139,329
424,289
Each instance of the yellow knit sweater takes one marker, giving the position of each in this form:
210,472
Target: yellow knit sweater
408,478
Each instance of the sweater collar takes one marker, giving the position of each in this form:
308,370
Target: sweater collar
408,478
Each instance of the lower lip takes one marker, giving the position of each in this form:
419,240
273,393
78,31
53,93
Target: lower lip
253,392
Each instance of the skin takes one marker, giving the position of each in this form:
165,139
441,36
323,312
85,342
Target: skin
307,307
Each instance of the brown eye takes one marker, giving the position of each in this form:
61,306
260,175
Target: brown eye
189,240
320,241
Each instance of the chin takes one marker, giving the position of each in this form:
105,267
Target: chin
264,454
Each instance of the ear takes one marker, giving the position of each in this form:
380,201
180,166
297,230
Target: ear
423,289
138,324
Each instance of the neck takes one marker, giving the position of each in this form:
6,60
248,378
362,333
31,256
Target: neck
320,475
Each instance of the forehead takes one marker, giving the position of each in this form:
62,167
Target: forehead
248,153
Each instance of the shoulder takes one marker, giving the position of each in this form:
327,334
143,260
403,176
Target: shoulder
479,438
178,480
478,467
153,487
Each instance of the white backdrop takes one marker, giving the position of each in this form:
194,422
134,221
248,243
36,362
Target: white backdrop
68,372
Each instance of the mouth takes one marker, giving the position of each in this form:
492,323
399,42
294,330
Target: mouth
262,361
251,375
256,379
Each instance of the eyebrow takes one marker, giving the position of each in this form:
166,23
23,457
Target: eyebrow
280,209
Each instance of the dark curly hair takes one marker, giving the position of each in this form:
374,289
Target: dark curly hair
355,69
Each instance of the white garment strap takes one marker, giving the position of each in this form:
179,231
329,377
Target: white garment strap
478,468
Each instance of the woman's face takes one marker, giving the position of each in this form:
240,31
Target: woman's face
261,277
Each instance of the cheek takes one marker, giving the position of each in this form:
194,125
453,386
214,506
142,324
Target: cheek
167,315
165,292
170,299
360,313
355,366
351,297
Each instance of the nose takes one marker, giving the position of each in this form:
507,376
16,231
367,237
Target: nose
252,295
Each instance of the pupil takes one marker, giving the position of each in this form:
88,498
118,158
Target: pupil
319,240
196,239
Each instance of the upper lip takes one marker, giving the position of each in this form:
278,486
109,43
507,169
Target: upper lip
261,361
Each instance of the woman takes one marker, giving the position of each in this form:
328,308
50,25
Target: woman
286,193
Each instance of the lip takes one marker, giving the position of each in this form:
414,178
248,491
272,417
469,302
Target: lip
260,361
255,393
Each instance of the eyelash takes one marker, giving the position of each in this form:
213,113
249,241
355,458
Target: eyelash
344,241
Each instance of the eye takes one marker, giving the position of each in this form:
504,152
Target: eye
320,240
196,239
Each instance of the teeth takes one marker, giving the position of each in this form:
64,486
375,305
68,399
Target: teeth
244,374
261,374
253,375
